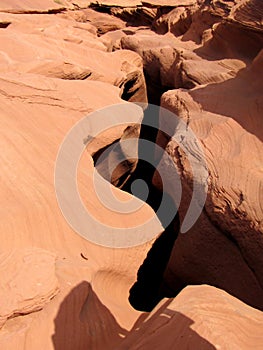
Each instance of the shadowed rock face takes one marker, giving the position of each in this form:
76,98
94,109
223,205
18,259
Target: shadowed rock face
30,6
29,288
202,60
168,324
217,95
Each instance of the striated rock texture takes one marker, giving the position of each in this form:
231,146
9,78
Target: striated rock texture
191,321
226,117
213,71
28,282
31,6
59,61
51,47
47,63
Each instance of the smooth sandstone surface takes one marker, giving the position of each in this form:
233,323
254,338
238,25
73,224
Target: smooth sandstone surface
215,85
28,288
197,319
37,110
24,6
60,291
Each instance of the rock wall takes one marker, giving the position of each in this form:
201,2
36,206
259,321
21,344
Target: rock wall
61,60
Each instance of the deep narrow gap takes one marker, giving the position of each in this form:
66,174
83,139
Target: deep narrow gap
155,89
100,155
150,286
4,24
128,88
101,8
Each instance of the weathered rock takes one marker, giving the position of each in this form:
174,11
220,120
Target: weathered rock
117,3
176,21
172,3
224,111
79,55
169,66
102,21
136,16
248,13
31,6
28,282
36,114
54,70
200,317
232,142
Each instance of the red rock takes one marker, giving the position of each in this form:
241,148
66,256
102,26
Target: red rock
199,318
54,70
28,282
27,6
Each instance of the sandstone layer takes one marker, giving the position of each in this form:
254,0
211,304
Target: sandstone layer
212,72
62,60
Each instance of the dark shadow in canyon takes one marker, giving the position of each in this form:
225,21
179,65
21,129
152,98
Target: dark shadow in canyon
134,16
150,285
150,288
84,322
4,24
155,88
169,323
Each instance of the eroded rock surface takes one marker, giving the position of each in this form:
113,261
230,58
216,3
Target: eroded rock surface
31,6
215,67
59,61
192,322
28,282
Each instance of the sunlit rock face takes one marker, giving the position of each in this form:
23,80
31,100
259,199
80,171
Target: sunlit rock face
62,60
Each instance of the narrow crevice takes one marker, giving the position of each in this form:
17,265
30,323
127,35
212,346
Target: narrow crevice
155,88
35,12
134,16
4,24
150,286
130,89
101,8
100,155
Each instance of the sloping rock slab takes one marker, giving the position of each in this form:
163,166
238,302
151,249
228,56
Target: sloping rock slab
200,318
29,6
28,282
